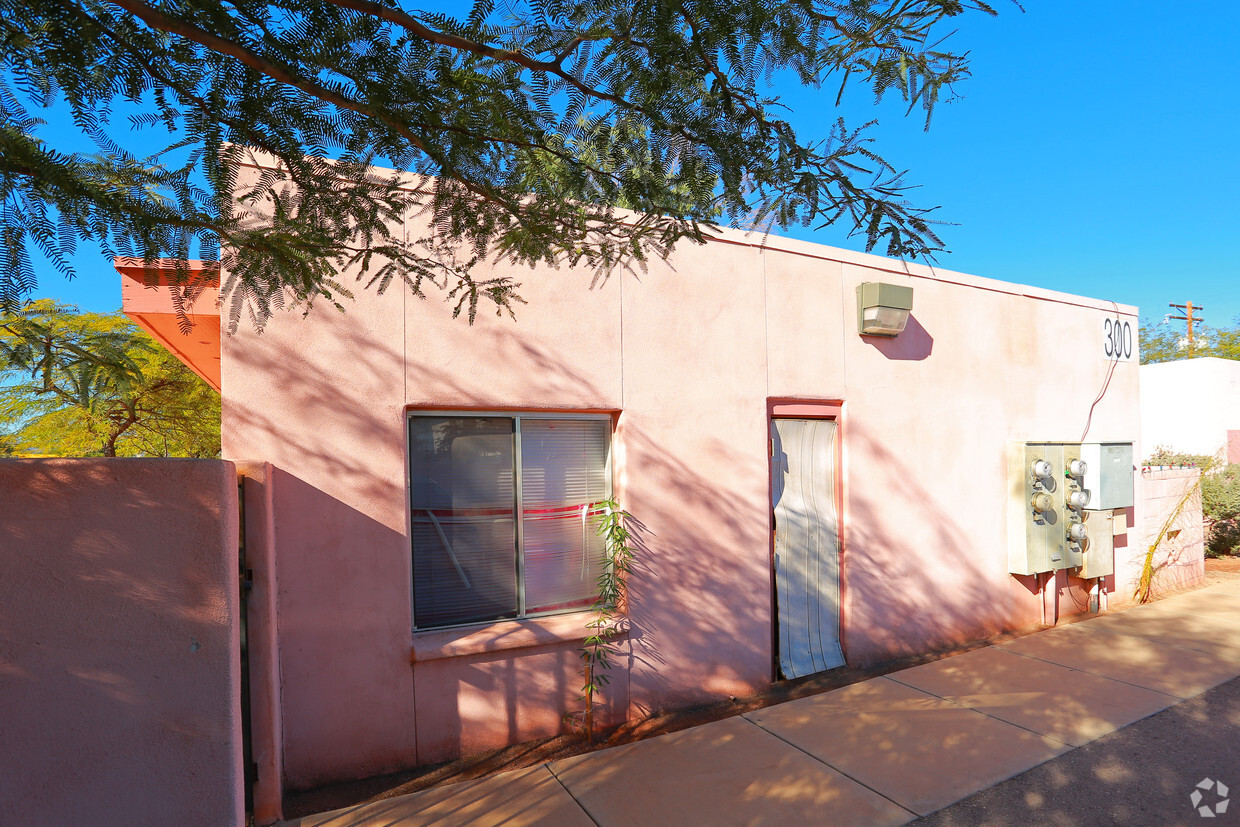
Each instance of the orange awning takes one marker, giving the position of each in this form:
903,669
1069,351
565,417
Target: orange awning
148,297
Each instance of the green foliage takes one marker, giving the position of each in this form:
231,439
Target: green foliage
1220,493
1165,456
1224,539
1220,497
1159,342
1168,343
1220,503
600,645
525,130
91,384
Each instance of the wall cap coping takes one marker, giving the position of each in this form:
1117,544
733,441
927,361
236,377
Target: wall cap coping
1160,472
504,635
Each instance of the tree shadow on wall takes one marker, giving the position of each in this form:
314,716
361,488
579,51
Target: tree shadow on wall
691,592
702,611
336,441
936,576
116,655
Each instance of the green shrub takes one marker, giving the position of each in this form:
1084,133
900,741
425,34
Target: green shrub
1220,493
1220,505
1165,456
1224,539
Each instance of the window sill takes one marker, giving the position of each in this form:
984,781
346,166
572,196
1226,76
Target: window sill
505,635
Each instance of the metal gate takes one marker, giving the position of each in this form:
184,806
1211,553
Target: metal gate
244,583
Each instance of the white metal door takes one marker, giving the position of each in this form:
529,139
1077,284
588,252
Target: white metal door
807,548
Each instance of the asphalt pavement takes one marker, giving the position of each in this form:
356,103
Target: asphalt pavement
1143,774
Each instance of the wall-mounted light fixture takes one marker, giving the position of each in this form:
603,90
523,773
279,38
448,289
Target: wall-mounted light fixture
882,309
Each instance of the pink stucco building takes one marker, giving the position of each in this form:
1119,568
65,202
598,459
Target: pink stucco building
420,509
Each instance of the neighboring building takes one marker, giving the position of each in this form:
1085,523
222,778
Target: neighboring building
1192,406
422,529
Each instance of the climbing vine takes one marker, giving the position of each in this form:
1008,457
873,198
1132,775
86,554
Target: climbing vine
1145,586
605,625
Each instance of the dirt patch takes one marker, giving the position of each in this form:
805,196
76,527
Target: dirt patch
1220,569
533,753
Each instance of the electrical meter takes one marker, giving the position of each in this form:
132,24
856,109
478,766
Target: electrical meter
1055,492
1037,512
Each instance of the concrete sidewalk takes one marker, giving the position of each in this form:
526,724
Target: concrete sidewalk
898,747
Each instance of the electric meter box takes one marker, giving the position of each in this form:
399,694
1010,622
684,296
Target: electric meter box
1036,514
1098,558
1109,479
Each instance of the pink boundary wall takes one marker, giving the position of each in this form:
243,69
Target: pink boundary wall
1179,561
687,357
119,648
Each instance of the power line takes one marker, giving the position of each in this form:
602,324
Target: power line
1189,309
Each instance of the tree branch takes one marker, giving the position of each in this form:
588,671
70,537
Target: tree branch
163,22
451,41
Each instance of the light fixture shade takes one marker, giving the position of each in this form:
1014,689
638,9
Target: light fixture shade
883,309
883,321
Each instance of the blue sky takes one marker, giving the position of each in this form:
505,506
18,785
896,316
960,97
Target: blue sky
1093,151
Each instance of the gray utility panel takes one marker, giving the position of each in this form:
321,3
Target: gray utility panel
1110,474
1099,557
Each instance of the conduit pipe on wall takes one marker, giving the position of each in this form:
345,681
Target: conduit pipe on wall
1042,597
1044,588
1054,598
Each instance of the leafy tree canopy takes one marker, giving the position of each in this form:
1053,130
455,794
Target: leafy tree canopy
91,384
1164,342
535,125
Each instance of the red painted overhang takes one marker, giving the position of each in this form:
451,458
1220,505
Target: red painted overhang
148,296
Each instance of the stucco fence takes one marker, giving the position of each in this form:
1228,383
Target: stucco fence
1171,500
120,680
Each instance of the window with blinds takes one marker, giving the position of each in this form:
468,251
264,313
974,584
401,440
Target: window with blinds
502,512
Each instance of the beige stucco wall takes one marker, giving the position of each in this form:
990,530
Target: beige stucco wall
119,649
687,356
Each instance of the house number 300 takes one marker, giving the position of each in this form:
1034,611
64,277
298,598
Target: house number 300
1117,340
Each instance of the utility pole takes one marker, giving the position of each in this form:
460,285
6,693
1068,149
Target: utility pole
1189,308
